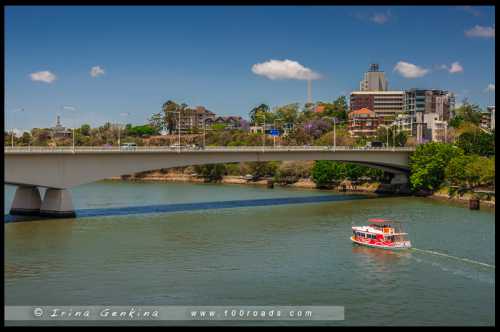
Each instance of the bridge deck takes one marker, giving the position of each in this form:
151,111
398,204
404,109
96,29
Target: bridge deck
167,149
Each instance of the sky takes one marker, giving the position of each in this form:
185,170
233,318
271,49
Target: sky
93,64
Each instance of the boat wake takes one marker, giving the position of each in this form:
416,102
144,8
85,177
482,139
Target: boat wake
453,257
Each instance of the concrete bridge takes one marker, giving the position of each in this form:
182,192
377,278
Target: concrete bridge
61,168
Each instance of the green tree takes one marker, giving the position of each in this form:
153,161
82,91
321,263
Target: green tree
287,114
259,113
211,172
469,112
480,143
466,172
260,169
85,130
428,163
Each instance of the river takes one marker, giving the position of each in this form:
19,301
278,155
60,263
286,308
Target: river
255,254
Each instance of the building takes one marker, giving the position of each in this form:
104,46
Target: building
419,102
194,119
230,122
386,104
364,122
374,80
491,111
435,130
58,130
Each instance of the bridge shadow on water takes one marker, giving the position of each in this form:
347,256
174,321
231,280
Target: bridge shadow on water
182,207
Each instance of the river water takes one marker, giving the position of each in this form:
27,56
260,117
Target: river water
256,253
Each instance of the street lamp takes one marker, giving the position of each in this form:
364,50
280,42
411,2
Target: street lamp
334,134
178,129
387,131
204,130
71,108
124,114
12,129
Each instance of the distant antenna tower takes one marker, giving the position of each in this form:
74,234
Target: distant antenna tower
309,93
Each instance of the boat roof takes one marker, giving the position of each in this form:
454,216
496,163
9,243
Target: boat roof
379,220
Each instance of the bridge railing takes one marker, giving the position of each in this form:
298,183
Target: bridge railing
117,149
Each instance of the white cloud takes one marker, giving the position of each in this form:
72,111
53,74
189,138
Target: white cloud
410,70
380,18
470,10
456,68
282,70
480,31
69,108
96,71
43,76
490,88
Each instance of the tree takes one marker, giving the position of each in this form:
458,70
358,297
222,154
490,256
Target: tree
260,169
323,173
428,163
211,172
287,114
85,130
291,171
466,172
468,113
480,143
169,116
259,113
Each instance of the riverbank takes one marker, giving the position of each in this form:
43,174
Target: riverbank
347,186
442,195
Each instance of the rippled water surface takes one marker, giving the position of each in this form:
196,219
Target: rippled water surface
255,254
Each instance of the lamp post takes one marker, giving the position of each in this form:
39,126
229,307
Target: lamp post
124,114
71,108
204,130
178,130
12,129
334,134
394,138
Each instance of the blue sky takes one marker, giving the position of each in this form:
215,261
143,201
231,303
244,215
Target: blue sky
144,56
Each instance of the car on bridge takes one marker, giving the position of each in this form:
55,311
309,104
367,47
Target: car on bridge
128,146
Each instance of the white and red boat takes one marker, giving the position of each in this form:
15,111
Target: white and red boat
381,233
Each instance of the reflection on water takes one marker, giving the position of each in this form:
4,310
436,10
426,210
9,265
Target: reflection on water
255,254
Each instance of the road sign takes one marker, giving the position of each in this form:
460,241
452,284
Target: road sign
275,132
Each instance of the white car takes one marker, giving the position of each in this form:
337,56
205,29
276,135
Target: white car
128,146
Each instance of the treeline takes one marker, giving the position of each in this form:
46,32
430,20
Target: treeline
325,174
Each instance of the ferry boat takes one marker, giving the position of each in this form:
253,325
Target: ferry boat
381,233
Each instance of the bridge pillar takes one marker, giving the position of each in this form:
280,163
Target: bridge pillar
399,178
27,201
401,183
57,203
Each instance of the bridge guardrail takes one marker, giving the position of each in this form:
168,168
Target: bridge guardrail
69,149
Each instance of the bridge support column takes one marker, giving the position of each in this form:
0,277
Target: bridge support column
57,203
399,178
400,183
26,202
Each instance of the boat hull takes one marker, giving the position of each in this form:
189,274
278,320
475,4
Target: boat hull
405,245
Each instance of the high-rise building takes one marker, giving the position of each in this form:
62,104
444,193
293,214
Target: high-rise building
385,104
374,80
418,102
